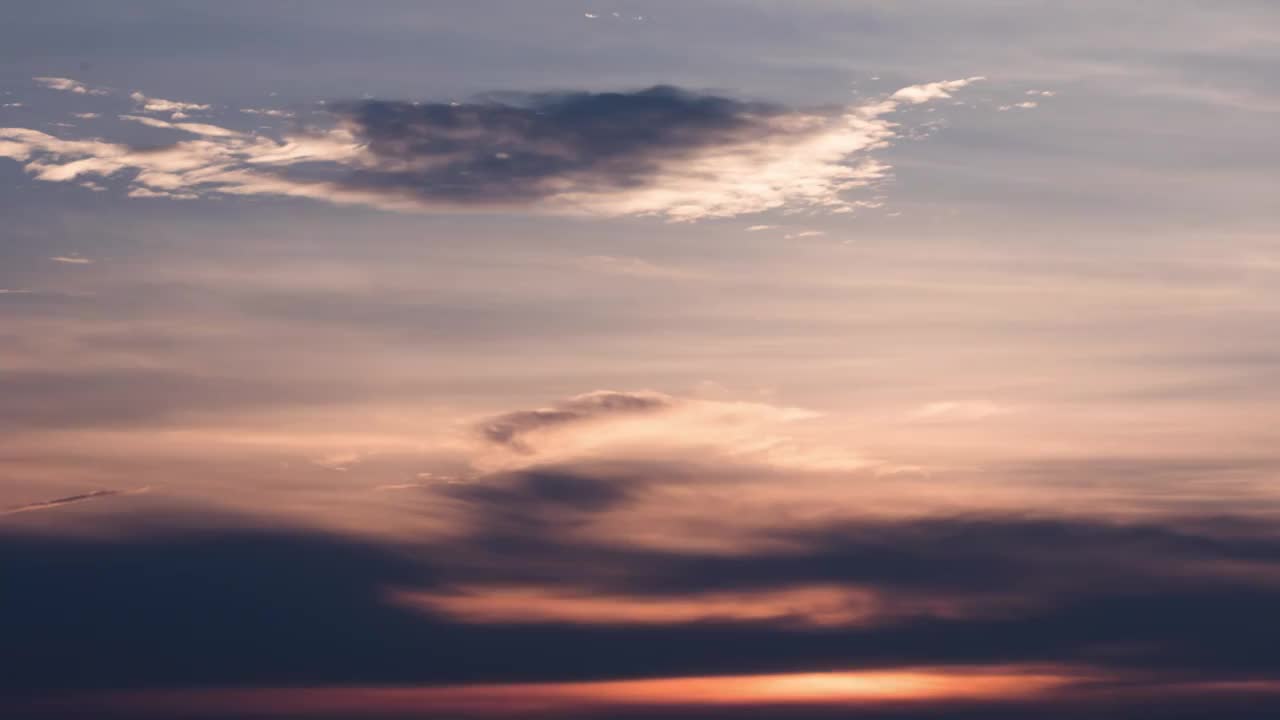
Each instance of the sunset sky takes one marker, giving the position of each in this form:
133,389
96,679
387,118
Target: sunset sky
685,359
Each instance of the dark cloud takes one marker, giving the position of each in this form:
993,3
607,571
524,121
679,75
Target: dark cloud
1045,559
509,429
539,503
173,607
198,606
661,151
544,488
523,147
46,504
179,604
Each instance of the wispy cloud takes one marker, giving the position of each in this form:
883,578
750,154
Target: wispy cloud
154,104
400,486
69,500
67,85
268,112
193,128
71,259
951,411
510,430
646,425
916,94
633,267
29,293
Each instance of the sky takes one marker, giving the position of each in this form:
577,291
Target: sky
710,359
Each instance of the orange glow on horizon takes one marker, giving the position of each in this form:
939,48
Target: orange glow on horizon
866,687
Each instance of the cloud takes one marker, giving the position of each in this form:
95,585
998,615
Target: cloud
1111,600
133,397
67,85
661,152
152,104
400,486
923,690
150,122
951,410
632,267
893,581
222,162
511,429
269,112
193,128
68,500
71,259
758,228
1027,105
145,192
630,427
43,294
540,503
917,94
813,606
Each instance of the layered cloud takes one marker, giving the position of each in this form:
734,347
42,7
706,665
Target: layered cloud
637,520
948,609
662,152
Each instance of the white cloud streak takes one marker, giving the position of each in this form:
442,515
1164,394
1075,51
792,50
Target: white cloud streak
67,85
916,94
153,104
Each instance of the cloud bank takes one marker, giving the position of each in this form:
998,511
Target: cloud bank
550,565
1100,607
